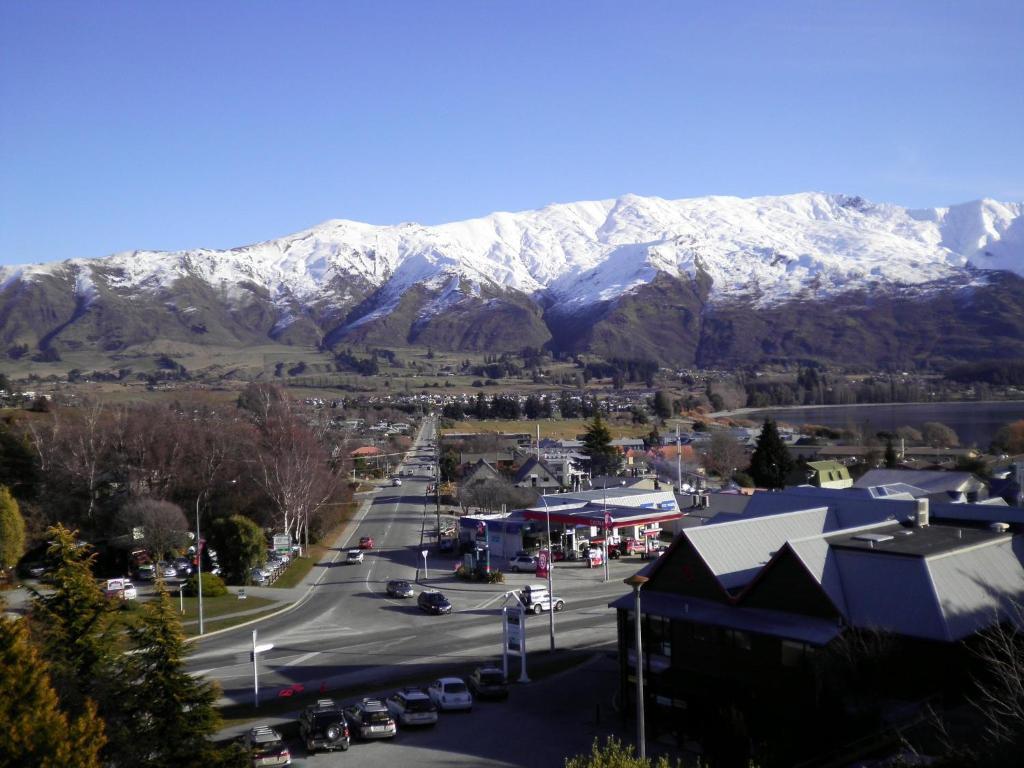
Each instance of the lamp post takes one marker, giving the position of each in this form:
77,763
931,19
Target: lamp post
636,581
199,562
551,567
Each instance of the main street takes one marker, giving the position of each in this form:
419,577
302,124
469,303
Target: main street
346,631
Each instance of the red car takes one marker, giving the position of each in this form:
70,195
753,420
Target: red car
366,542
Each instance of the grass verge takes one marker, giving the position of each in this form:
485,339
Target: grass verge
299,567
231,621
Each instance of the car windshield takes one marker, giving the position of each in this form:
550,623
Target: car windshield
437,598
376,718
454,687
323,719
492,678
418,705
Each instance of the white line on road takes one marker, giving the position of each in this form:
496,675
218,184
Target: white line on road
298,659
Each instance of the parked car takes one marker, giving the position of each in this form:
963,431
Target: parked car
366,542
523,563
412,706
451,693
354,557
396,481
632,547
400,589
488,683
266,747
434,602
323,726
122,589
183,566
166,570
259,576
370,719
147,572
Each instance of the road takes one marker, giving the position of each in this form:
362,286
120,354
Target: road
346,631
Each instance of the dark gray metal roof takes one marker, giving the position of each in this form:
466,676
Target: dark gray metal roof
757,620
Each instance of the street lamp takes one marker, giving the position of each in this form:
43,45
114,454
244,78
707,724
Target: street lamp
199,562
551,567
636,581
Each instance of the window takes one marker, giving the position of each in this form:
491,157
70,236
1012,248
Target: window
659,635
738,639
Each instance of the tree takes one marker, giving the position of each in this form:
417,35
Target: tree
240,546
173,713
615,754
36,731
662,404
771,463
72,624
724,455
890,454
597,445
1010,438
938,435
910,434
12,530
163,524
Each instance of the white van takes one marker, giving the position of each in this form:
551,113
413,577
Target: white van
536,598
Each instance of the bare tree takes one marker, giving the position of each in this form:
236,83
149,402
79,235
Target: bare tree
724,455
163,525
292,469
1000,693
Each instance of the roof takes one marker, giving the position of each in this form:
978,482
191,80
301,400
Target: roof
366,450
766,622
534,466
930,481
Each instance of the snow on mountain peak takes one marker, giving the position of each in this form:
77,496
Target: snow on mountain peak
765,248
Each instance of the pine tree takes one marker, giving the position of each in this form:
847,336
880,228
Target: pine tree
72,623
36,732
173,713
771,463
597,445
12,530
890,454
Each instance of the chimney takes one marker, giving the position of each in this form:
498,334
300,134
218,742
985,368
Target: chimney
921,519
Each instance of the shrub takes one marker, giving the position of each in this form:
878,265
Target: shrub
743,480
213,586
495,577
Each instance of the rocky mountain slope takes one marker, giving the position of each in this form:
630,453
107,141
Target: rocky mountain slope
715,280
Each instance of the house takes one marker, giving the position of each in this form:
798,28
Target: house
781,623
481,472
535,473
828,474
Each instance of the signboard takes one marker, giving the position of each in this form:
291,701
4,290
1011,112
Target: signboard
282,543
543,560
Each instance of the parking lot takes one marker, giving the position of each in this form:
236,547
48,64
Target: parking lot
540,724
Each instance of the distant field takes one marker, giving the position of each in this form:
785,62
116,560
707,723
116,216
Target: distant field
566,429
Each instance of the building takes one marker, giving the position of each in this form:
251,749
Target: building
828,474
535,473
786,622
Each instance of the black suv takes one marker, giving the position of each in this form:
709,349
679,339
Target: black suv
434,602
488,683
323,726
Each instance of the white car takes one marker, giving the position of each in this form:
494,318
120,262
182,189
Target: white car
355,557
120,588
450,693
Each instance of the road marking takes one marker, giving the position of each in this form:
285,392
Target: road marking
299,659
486,603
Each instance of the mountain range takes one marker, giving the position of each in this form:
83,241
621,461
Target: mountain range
711,281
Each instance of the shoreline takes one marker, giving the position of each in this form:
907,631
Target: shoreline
740,412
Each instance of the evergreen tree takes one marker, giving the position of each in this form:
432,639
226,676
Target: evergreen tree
240,546
597,445
12,530
72,623
662,404
771,463
890,454
173,713
36,731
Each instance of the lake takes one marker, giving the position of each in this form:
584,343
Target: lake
975,422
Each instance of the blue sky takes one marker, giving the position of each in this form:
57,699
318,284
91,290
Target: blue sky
168,125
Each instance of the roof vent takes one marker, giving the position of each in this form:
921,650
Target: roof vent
921,520
872,538
999,527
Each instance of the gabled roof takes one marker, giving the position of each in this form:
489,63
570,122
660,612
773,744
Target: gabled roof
533,466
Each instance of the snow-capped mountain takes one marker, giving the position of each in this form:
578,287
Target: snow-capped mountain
549,275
